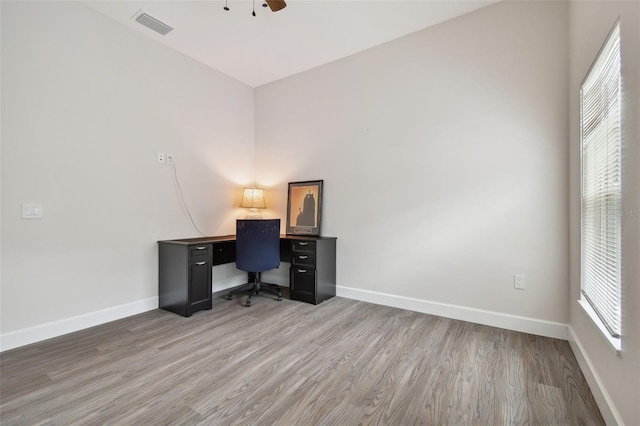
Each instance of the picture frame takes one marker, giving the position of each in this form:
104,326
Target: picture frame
304,207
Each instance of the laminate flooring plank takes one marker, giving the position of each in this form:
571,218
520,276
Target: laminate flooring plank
40,363
577,396
412,389
342,362
247,381
502,398
293,397
392,363
337,412
51,401
334,383
264,383
295,357
22,388
546,405
458,376
259,362
160,414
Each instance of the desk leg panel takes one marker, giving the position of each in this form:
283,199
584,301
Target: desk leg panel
173,293
326,268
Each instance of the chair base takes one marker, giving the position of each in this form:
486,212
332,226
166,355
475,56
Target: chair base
254,289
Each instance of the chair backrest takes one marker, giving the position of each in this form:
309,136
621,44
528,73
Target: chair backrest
257,244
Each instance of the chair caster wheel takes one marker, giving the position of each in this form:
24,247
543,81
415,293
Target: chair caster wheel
229,296
279,298
247,304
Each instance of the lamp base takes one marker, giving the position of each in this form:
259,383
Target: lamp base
253,214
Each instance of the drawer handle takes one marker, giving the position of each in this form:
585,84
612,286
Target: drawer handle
200,263
200,248
302,271
302,257
302,243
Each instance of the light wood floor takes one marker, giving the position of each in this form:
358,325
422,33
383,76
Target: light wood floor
342,362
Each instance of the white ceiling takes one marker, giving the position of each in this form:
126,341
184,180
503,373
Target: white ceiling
273,45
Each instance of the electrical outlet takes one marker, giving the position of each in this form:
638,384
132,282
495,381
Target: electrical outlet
169,159
161,158
520,281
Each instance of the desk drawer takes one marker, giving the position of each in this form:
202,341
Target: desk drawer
303,246
303,282
200,250
304,259
224,252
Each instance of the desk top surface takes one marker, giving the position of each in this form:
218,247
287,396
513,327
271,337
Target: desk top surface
223,238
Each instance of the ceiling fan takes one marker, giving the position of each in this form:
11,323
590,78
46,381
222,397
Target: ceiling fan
275,5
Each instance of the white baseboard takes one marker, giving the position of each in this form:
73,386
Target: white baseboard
226,279
238,281
463,313
600,394
511,322
49,330
227,276
228,283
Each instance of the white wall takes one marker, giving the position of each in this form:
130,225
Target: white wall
87,104
1,102
614,379
444,159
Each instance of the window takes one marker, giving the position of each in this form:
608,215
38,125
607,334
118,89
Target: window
601,205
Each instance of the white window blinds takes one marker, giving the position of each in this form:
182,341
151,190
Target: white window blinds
601,189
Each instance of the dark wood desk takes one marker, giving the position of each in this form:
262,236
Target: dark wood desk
184,284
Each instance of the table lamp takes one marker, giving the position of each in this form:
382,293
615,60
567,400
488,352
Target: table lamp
253,199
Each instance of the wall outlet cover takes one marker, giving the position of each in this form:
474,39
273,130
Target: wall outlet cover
520,281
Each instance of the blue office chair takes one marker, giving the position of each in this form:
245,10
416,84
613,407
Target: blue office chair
257,251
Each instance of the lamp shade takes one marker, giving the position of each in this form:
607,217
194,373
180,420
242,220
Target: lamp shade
253,198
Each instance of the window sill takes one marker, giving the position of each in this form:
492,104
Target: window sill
614,343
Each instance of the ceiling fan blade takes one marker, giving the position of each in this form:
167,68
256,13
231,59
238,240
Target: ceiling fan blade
276,5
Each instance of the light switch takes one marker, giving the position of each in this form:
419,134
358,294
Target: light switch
31,211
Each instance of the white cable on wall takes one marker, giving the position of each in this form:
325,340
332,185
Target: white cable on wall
182,201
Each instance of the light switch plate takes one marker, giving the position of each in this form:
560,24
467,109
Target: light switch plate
31,211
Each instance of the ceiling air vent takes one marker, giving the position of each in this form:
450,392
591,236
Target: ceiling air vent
154,24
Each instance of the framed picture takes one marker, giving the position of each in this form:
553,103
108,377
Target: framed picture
304,208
